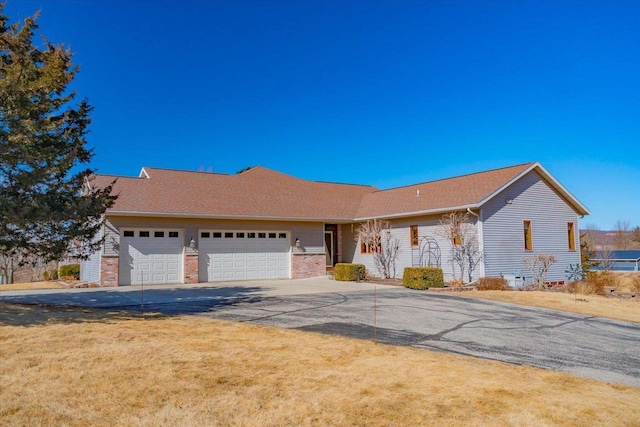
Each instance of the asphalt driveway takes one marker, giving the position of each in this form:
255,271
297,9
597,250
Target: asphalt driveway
602,349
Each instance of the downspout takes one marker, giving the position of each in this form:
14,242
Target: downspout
480,238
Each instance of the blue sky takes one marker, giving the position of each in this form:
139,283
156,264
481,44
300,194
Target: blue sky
385,93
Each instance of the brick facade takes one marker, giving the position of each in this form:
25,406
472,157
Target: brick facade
308,265
191,268
109,271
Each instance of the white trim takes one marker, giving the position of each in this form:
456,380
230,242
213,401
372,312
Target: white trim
144,174
419,213
480,222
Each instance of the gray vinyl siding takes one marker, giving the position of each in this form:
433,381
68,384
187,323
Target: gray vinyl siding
407,256
90,268
311,235
534,200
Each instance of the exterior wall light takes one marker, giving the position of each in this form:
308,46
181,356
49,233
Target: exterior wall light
297,243
192,243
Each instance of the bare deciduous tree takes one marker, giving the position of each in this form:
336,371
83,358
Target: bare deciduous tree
376,235
539,265
465,253
622,237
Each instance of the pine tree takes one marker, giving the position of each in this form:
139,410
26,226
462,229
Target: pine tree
44,204
586,257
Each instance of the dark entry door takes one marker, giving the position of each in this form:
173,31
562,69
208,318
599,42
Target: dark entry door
331,243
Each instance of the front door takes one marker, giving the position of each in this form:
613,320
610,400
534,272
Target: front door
331,243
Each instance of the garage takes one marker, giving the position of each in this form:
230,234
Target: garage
150,256
243,255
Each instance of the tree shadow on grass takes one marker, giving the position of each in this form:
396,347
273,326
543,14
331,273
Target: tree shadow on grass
107,305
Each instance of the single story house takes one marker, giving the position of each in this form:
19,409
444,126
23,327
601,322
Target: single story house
171,226
618,260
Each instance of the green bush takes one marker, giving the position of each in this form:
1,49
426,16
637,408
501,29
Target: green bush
349,272
51,274
70,270
492,284
423,277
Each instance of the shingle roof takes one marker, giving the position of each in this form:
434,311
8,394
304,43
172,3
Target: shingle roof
619,255
461,191
255,193
262,193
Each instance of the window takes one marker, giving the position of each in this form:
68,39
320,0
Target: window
217,235
457,241
173,234
240,235
282,236
413,233
228,235
571,236
144,234
272,235
158,234
128,233
370,248
205,235
528,242
262,235
251,235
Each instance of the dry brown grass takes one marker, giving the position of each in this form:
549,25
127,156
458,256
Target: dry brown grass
592,305
628,281
31,285
114,369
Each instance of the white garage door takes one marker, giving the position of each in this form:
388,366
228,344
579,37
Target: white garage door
150,256
243,255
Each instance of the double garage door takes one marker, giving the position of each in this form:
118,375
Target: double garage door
243,255
155,256
151,256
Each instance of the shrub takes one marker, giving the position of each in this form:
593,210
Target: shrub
51,274
635,284
586,287
349,272
492,284
423,277
70,270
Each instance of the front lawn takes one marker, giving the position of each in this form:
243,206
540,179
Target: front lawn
78,367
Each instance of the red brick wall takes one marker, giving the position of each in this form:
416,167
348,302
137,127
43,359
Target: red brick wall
308,265
109,271
191,268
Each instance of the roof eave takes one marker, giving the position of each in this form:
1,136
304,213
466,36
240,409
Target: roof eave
226,217
419,213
